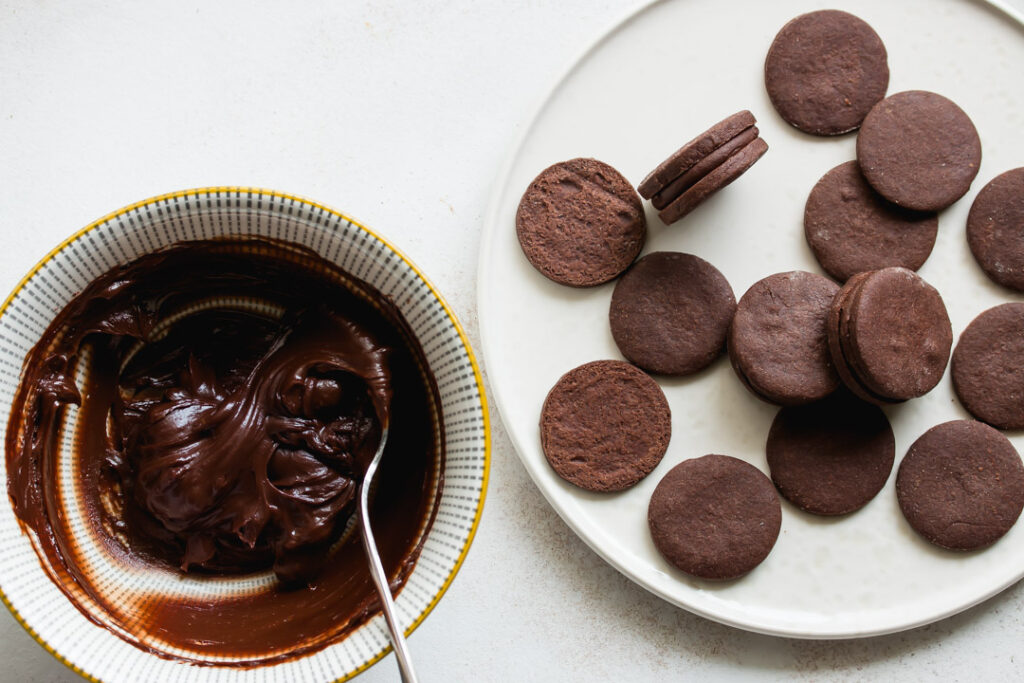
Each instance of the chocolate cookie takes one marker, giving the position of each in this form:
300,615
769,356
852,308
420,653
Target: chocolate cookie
703,166
995,229
988,367
830,457
693,151
824,72
580,223
670,313
919,150
605,425
777,341
715,517
851,228
731,169
836,326
961,485
889,335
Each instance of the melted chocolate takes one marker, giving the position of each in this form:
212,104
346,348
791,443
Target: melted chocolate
234,393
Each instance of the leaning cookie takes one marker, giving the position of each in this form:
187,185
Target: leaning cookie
715,517
605,425
777,342
703,166
580,223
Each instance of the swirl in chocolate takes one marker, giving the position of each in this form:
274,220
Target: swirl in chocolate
231,394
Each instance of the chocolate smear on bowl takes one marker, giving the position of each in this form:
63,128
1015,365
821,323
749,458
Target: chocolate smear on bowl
229,396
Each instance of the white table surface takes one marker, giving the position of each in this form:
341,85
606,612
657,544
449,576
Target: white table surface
399,114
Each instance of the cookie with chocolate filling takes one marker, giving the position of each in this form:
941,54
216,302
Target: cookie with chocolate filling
889,335
703,166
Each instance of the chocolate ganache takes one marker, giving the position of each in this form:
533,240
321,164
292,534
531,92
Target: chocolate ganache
230,396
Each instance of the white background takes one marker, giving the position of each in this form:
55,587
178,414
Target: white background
399,115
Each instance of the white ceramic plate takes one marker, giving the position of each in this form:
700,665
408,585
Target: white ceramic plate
97,653
657,79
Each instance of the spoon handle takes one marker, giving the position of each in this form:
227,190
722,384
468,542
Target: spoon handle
377,569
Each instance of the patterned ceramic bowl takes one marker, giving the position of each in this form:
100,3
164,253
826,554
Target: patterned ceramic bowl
95,652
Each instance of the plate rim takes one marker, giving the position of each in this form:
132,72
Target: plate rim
491,223
463,338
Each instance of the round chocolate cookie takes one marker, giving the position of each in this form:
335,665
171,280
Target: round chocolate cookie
995,229
830,457
851,228
580,223
988,367
670,313
693,151
824,72
961,485
890,331
715,517
728,171
605,425
919,150
777,342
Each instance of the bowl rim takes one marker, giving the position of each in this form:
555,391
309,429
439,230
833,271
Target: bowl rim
477,376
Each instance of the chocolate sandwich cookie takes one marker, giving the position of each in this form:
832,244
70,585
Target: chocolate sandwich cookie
824,72
670,313
835,326
580,223
889,335
704,165
777,341
851,228
715,517
919,150
961,485
831,457
605,425
988,367
693,151
730,169
995,229
702,168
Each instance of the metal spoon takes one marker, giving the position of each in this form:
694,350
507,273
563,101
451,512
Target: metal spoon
387,603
